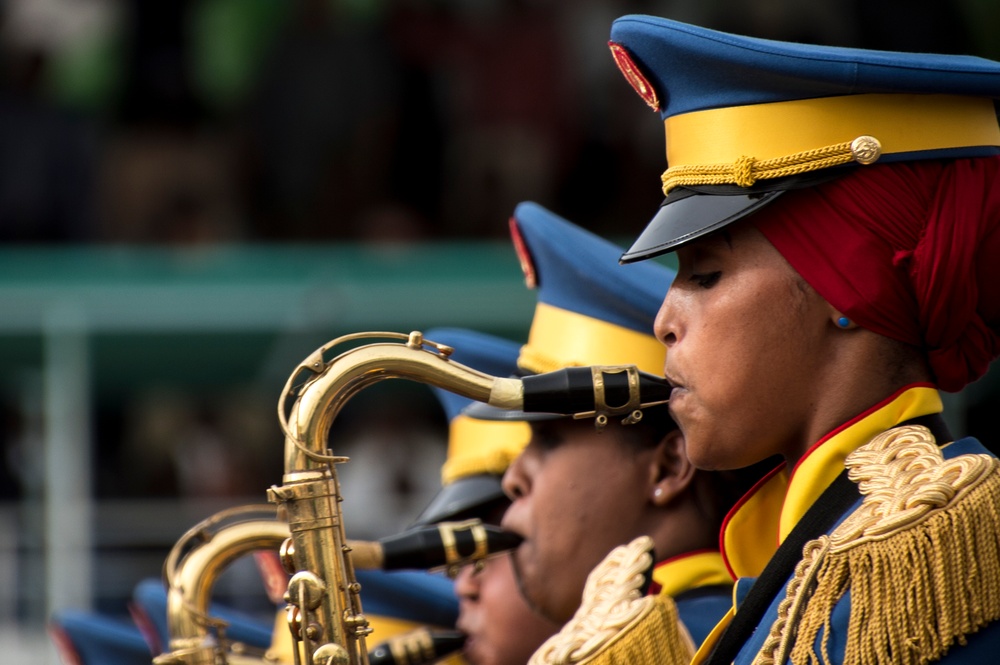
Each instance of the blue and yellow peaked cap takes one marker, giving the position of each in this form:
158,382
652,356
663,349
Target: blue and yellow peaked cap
746,119
479,451
590,310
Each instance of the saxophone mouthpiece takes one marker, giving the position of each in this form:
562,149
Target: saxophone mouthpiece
444,544
595,391
419,647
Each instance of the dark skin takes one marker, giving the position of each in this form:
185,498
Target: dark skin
578,493
500,628
759,364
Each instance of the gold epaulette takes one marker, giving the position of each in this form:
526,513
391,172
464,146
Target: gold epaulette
616,624
920,558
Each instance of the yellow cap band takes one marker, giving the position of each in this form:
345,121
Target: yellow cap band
482,446
741,144
561,338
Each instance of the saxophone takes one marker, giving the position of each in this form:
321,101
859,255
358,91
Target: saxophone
204,551
324,613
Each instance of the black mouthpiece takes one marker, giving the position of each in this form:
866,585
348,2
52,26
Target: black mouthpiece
418,647
604,390
445,544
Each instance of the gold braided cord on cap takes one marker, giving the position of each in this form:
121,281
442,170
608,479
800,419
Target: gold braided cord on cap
747,170
739,145
920,558
616,624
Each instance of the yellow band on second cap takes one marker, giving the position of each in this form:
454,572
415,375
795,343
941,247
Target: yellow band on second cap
901,123
561,338
482,446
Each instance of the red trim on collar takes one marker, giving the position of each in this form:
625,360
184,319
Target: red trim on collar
683,555
654,586
855,419
763,481
739,504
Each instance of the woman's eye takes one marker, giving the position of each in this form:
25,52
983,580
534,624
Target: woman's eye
544,439
706,280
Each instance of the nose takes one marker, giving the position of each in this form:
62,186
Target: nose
467,584
665,325
515,482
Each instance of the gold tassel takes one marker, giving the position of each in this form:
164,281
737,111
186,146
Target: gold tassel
920,558
616,624
657,638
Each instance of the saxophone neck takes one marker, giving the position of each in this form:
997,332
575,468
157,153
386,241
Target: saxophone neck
333,383
597,392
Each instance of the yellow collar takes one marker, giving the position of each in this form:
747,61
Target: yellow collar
759,523
690,571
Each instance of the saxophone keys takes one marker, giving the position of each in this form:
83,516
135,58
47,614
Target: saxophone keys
357,624
306,589
331,654
286,553
293,617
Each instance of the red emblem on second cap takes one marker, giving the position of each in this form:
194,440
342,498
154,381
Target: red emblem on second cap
523,255
635,77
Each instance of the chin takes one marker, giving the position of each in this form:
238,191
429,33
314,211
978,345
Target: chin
707,459
697,448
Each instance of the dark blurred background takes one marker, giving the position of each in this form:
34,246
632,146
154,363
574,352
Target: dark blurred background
194,194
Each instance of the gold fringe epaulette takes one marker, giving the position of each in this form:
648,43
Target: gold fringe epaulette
920,558
616,624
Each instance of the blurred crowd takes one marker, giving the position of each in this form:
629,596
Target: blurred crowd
201,121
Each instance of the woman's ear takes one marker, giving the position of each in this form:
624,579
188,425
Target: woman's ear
671,472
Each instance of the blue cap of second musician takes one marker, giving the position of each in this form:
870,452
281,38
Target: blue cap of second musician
590,310
479,451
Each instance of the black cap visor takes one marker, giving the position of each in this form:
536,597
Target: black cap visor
467,497
692,212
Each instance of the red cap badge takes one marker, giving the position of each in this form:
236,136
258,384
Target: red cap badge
523,255
632,74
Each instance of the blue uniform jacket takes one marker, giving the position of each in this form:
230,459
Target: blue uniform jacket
982,647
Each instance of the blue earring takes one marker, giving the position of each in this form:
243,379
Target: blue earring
843,322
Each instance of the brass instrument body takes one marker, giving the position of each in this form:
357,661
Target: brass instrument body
324,610
325,613
195,637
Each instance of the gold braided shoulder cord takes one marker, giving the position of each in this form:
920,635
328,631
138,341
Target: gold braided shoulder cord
615,622
920,557
612,600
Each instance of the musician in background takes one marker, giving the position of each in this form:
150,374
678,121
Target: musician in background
499,626
578,492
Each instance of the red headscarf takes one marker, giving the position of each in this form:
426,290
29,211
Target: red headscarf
910,251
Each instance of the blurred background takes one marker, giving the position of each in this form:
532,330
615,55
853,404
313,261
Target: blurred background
195,194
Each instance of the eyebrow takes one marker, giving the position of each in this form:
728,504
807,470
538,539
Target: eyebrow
711,244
